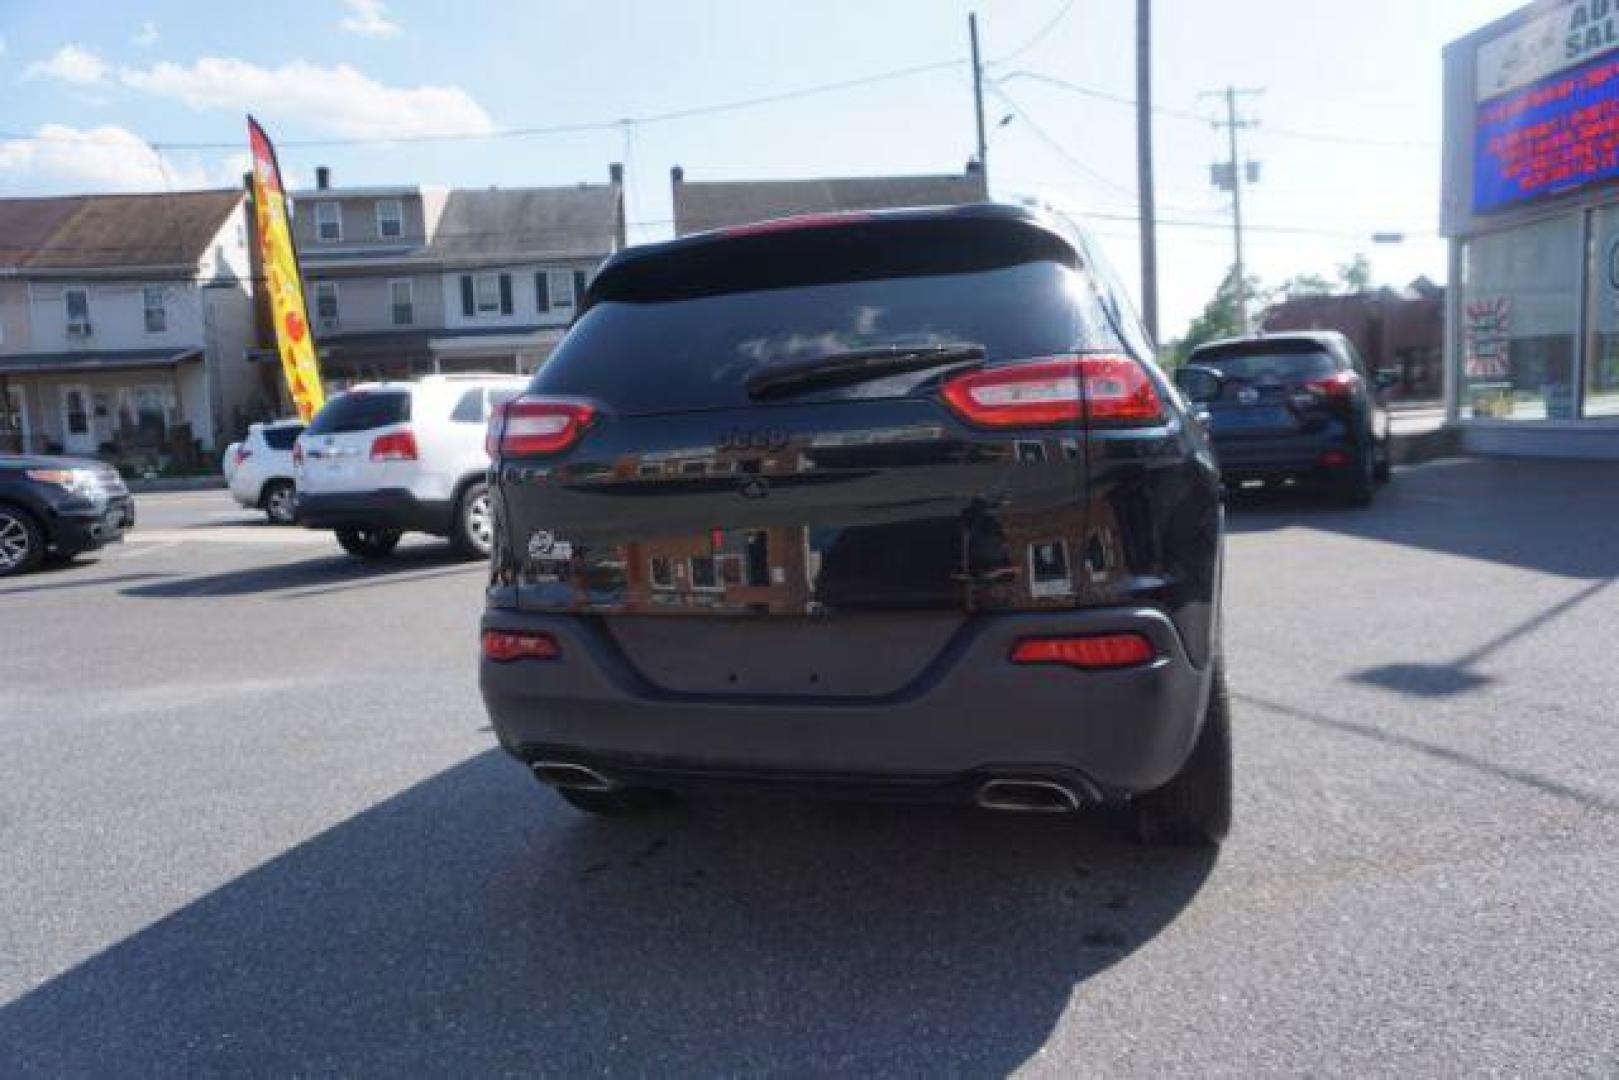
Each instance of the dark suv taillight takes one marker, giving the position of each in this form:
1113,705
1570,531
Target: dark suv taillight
528,426
1337,386
1097,389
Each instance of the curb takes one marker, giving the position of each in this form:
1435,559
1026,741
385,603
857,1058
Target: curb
1421,446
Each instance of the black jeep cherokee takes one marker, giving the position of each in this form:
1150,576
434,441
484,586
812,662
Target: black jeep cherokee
892,505
58,507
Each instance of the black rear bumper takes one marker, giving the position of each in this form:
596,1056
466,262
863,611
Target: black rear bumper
388,508
1300,457
1111,733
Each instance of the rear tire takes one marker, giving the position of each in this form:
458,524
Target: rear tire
22,541
369,543
619,802
1383,471
1359,488
1194,809
473,532
280,502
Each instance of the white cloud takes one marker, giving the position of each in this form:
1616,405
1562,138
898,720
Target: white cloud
71,63
147,35
108,158
337,100
368,18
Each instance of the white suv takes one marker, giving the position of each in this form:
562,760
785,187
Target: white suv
383,459
259,469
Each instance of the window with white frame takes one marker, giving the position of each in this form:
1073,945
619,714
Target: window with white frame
399,299
326,303
77,302
328,221
561,289
486,287
157,315
390,219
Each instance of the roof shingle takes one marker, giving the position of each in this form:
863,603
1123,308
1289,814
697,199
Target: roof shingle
112,231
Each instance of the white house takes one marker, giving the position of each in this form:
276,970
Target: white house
125,322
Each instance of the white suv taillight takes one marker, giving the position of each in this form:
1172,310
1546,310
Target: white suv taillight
527,426
394,446
1090,389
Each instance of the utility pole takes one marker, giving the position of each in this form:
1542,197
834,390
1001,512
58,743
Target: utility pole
978,99
1230,178
1149,211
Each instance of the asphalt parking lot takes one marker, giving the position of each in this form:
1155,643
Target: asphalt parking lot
253,820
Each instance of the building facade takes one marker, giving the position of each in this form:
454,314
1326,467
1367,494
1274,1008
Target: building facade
406,281
125,324
1400,330
1531,210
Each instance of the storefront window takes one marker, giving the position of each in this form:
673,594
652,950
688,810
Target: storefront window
1602,348
1519,307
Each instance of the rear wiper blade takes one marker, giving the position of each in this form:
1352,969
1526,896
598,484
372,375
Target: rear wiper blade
858,365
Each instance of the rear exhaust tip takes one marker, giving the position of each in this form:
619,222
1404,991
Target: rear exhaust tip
1028,796
565,774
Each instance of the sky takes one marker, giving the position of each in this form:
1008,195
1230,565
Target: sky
115,96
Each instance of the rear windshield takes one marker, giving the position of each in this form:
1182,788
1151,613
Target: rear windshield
362,410
1269,366
282,438
696,352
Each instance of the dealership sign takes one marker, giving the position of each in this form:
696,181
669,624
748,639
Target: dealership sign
1548,116
1547,44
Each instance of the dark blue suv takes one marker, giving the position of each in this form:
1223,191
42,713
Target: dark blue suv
1294,407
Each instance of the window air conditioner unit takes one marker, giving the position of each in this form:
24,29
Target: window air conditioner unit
79,328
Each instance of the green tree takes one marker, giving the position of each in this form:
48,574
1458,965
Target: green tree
1220,318
1355,275
1303,285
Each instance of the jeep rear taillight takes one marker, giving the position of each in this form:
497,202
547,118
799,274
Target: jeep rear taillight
394,446
1069,390
528,426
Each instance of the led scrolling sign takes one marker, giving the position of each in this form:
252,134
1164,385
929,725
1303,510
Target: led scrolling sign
1547,119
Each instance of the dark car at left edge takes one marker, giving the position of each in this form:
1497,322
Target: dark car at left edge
56,508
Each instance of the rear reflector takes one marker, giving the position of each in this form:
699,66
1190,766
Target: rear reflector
1093,653
1334,459
504,646
394,446
1100,390
537,425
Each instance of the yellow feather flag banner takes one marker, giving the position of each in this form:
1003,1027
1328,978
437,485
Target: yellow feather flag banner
288,312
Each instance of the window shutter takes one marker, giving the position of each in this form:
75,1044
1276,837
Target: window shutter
505,294
466,294
578,288
542,292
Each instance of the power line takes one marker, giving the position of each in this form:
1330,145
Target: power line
1051,24
1198,118
534,132
1055,146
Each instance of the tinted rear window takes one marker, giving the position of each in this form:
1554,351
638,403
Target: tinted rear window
362,410
695,352
1269,366
282,438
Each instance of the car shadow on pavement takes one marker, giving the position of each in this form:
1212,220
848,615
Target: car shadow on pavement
473,924
37,585
311,577
1557,517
